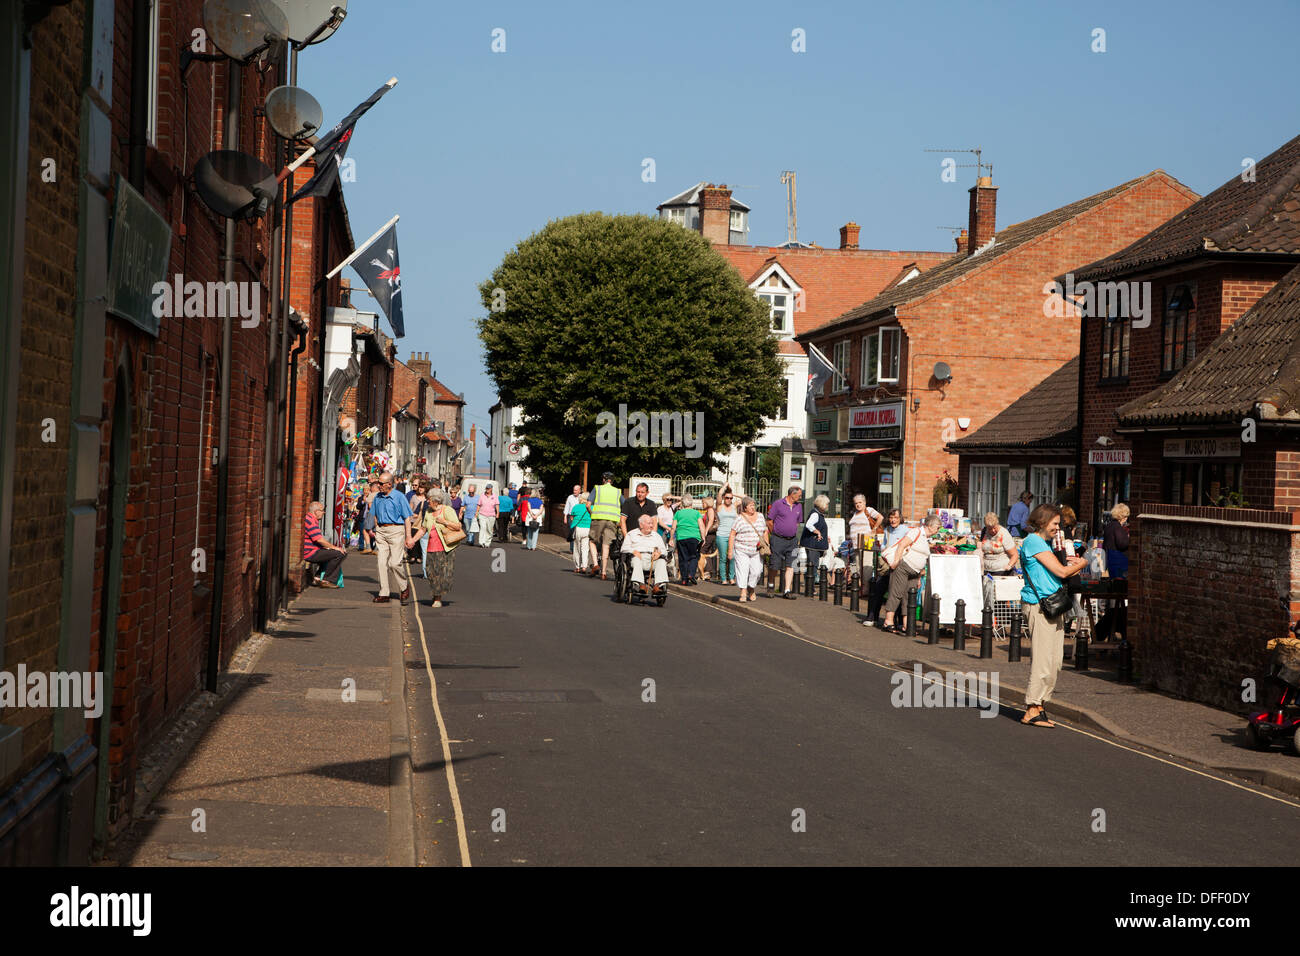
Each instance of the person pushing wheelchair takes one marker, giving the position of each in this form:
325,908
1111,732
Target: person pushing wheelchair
648,550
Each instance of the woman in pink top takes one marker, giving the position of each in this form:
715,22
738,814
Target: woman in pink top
487,516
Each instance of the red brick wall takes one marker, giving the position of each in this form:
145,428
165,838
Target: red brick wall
46,345
163,621
1217,590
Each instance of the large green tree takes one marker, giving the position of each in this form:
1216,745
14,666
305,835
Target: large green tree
595,311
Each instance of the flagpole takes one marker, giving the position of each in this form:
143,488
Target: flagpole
311,150
820,354
362,248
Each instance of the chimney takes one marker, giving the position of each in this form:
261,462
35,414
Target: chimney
715,213
849,235
420,364
473,449
963,242
983,212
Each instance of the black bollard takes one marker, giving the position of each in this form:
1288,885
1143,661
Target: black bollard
911,612
934,619
1013,649
809,576
821,584
959,627
986,633
1124,672
854,598
1080,647
839,588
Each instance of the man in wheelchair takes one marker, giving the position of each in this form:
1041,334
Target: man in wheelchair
644,549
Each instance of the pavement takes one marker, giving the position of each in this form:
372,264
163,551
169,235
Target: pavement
307,762
1094,699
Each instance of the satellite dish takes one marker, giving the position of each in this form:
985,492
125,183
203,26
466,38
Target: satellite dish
293,112
942,372
243,28
234,184
307,16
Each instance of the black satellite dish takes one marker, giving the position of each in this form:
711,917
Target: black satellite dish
305,17
942,372
234,184
293,112
241,29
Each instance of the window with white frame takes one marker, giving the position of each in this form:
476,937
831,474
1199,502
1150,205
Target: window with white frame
840,359
987,484
677,215
880,356
1046,482
781,307
737,220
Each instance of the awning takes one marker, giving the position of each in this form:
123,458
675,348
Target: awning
847,452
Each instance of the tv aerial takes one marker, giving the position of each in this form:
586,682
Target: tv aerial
293,112
234,184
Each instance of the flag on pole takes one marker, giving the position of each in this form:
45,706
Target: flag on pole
819,370
377,264
330,149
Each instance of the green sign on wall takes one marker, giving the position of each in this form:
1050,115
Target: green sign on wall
137,259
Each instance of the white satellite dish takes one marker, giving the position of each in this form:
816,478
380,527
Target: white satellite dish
307,16
293,112
241,29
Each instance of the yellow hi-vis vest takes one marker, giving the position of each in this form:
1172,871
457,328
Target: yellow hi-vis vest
606,505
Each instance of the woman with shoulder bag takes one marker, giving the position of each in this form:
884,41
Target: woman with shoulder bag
907,557
1044,600
748,543
443,532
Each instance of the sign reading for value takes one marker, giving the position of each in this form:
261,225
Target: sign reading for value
1110,456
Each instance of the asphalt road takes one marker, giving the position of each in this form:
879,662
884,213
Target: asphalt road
558,759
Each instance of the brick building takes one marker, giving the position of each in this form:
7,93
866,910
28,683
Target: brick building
948,349
1032,444
113,557
1201,271
804,285
1216,583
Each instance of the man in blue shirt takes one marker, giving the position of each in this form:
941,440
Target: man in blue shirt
393,528
469,511
1018,519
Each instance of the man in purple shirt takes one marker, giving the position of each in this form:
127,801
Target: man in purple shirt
786,517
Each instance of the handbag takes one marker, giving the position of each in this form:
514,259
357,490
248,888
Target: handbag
764,548
1055,604
454,536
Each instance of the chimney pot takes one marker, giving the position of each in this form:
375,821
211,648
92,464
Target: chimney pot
849,235
963,241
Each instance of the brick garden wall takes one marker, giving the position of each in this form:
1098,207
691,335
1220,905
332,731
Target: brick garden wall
1213,597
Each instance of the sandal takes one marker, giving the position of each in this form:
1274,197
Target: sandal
1038,720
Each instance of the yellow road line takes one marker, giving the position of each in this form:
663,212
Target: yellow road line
446,744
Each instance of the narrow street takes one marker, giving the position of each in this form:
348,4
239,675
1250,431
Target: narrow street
540,682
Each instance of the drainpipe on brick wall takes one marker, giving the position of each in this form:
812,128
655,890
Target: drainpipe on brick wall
234,75
141,15
300,331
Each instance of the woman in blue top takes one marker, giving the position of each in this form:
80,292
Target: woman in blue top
1044,574
533,527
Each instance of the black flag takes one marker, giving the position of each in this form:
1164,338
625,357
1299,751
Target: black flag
380,269
819,370
332,147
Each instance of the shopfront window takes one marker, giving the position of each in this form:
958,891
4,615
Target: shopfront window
1048,483
1206,483
887,485
987,492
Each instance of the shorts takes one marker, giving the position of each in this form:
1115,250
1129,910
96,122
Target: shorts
784,552
602,531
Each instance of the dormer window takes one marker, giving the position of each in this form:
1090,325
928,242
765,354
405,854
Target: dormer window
782,307
677,215
775,287
737,220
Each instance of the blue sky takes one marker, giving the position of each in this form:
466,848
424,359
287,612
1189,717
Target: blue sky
477,150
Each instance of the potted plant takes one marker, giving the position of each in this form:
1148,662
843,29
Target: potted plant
945,490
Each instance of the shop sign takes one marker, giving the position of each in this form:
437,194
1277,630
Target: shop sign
1202,447
876,422
137,259
821,426
1110,456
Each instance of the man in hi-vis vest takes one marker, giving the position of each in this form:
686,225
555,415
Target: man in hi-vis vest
605,502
